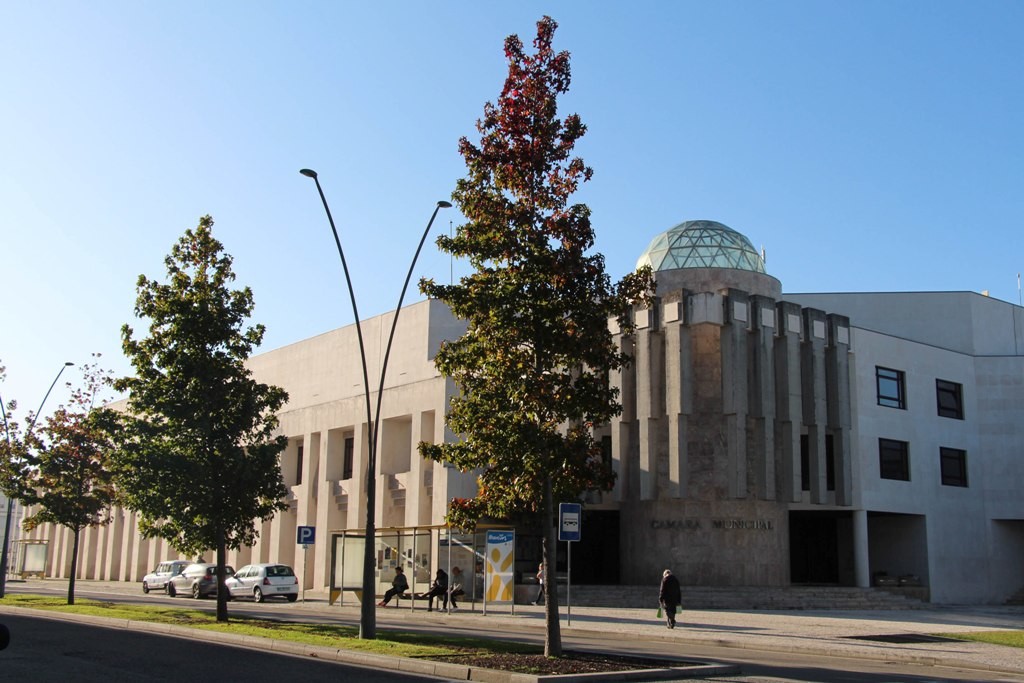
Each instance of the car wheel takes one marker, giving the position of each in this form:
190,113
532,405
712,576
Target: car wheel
293,597
196,593
145,587
171,590
257,595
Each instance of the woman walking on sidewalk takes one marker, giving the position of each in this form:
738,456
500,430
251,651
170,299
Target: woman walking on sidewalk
670,596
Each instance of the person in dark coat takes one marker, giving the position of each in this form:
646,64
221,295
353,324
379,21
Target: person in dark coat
399,585
670,596
439,590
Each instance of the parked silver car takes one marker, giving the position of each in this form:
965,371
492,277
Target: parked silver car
198,580
261,581
157,579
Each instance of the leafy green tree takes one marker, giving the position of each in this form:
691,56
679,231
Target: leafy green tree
200,459
534,361
62,474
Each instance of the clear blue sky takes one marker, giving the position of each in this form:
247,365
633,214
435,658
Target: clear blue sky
867,145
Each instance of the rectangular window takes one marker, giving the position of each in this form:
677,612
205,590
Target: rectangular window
950,397
892,390
606,450
954,466
350,448
298,467
894,459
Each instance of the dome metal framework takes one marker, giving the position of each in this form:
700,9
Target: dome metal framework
701,244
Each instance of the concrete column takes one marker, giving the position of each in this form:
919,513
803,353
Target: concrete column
735,394
649,403
357,496
837,381
861,560
329,517
66,547
678,393
417,500
141,550
127,521
281,544
621,427
762,397
788,400
113,570
812,367
305,513
90,545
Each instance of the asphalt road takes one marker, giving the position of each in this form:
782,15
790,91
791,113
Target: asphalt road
52,650
757,665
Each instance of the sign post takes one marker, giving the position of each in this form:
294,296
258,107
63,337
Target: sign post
305,536
569,529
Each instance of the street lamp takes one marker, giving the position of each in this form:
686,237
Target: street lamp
10,499
368,614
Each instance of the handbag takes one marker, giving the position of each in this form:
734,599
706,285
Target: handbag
659,612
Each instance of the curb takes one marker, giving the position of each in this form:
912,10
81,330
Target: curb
370,660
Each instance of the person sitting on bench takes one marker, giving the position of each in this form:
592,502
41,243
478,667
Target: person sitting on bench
398,587
439,590
456,587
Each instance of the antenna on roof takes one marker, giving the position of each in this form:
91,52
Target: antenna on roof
1019,303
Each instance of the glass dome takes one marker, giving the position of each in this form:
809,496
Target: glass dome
701,244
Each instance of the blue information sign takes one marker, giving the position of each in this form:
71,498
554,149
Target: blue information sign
305,535
569,521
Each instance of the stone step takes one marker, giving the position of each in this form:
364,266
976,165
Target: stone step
1017,598
750,597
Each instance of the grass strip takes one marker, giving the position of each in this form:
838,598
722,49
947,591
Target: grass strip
1008,638
392,643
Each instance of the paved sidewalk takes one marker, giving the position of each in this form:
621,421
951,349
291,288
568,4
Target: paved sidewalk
879,635
889,635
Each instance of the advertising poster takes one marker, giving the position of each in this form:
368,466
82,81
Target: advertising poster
500,558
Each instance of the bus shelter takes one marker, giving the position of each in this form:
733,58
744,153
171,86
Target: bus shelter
420,551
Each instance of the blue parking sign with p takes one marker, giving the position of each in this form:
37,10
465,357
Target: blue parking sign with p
305,535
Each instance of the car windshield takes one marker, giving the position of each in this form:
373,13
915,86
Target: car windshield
228,571
279,570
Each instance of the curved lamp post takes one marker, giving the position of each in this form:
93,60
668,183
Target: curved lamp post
368,614
10,499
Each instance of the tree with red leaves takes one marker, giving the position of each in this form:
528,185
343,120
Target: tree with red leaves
64,474
533,364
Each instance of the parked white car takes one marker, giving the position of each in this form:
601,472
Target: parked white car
262,581
157,579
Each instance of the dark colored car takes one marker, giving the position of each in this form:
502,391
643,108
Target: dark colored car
198,580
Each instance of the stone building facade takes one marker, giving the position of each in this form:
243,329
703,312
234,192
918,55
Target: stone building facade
766,439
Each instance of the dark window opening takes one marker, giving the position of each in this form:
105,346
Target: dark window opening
950,397
606,451
954,466
298,467
894,459
892,390
350,448
805,463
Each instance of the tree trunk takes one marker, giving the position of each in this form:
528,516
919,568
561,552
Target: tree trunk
222,593
552,632
74,567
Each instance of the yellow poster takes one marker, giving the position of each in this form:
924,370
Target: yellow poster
501,561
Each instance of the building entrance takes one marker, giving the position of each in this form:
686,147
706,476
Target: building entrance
595,557
821,548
